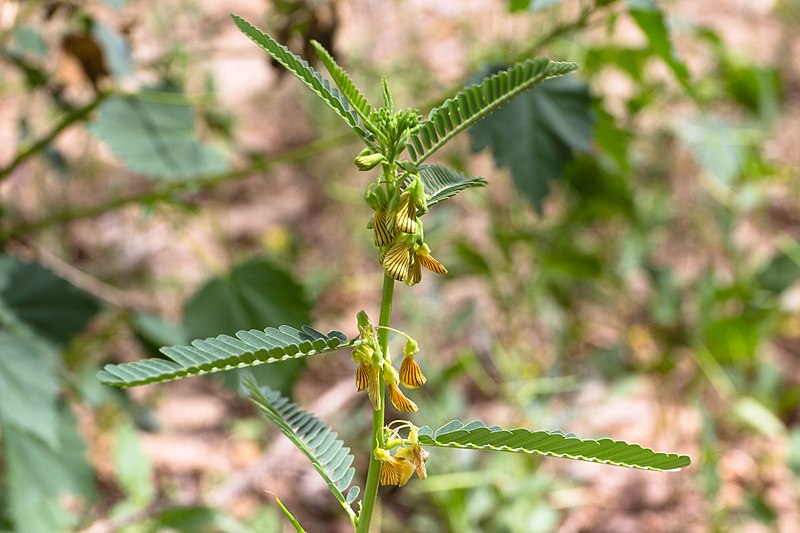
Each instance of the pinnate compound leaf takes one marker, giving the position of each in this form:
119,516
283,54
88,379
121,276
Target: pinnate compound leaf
328,455
253,295
344,82
442,183
476,435
224,352
153,133
537,134
477,101
304,72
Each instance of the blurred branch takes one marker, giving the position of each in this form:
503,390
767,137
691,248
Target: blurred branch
44,141
97,288
166,191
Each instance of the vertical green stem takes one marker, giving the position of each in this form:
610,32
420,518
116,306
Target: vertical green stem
373,475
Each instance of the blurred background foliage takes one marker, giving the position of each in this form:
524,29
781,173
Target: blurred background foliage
631,270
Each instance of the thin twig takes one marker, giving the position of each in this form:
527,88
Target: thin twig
167,190
43,142
94,286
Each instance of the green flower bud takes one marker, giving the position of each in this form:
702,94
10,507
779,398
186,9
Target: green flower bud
368,162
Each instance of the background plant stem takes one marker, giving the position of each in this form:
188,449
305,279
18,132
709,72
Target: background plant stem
373,475
45,141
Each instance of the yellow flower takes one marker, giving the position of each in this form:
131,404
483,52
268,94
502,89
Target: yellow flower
405,219
362,376
397,261
424,257
374,386
414,273
410,373
391,469
383,234
399,400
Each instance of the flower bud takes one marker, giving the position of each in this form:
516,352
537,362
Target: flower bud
368,162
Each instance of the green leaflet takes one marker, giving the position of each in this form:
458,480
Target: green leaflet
345,83
476,101
315,439
216,354
442,183
305,73
476,435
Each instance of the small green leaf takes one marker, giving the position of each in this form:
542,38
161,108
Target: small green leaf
476,435
153,133
538,133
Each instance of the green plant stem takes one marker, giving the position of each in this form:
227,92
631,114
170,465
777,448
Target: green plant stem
44,141
373,475
166,191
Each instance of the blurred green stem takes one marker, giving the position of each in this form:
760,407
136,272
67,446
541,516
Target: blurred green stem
373,475
43,142
166,191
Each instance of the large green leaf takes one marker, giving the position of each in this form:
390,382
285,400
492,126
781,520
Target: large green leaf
305,73
315,439
477,101
29,386
217,354
48,304
537,134
253,295
39,477
153,133
476,435
442,183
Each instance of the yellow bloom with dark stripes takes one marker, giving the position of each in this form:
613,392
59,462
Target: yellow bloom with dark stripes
414,273
383,236
399,400
410,373
405,219
391,468
414,454
397,262
374,386
424,257
362,377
